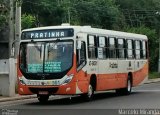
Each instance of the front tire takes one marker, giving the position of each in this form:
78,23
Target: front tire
89,95
43,98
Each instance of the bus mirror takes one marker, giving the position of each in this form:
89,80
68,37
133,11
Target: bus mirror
79,45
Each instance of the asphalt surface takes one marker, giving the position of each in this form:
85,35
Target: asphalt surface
145,99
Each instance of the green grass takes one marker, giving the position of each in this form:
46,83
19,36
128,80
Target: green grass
153,75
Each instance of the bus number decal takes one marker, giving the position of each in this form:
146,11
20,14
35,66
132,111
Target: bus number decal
113,65
92,63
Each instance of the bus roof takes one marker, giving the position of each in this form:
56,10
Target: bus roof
90,30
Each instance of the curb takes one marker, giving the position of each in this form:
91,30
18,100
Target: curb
152,81
16,98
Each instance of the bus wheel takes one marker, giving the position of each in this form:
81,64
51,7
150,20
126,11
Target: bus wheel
127,90
43,98
89,95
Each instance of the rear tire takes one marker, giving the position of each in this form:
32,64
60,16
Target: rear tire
43,98
128,89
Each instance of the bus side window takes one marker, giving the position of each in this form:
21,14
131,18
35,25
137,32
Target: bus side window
102,47
92,46
130,49
137,49
81,56
146,43
143,50
121,48
112,47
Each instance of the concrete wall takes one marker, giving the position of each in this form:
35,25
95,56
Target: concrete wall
4,43
7,66
4,66
4,50
7,77
4,77
4,84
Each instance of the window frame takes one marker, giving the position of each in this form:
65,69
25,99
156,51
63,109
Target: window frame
145,49
81,65
94,46
128,49
123,48
135,48
104,48
114,48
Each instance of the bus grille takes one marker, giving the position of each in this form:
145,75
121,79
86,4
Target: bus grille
50,90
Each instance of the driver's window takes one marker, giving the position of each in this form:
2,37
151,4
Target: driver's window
81,56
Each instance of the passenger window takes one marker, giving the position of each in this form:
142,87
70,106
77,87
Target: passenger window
130,51
91,40
137,49
112,48
102,49
121,48
144,51
102,41
92,47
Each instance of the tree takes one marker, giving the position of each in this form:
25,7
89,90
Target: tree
152,43
46,12
136,15
128,15
103,13
4,14
28,21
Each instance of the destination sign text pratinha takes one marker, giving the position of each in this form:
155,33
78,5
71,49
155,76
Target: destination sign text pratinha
44,34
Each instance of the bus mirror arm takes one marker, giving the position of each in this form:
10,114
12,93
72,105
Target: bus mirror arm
13,43
13,47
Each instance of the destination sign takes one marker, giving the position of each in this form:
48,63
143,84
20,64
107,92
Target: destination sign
46,34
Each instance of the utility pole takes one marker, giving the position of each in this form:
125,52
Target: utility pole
158,30
17,26
159,49
69,16
69,13
11,31
12,77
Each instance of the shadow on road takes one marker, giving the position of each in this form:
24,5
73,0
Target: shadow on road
80,100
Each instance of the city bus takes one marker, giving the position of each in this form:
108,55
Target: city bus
80,60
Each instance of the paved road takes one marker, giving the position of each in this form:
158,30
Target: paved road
146,96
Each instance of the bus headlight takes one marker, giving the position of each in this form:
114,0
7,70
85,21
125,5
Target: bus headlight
68,79
21,81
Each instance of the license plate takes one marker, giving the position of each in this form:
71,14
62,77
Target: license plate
43,92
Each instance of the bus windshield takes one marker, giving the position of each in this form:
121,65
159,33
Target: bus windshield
46,57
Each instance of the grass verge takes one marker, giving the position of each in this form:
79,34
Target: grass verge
153,75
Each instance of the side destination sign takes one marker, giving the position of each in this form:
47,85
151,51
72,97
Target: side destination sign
46,34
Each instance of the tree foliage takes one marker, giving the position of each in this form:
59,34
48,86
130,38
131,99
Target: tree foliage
152,43
4,10
28,21
103,13
140,12
138,16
